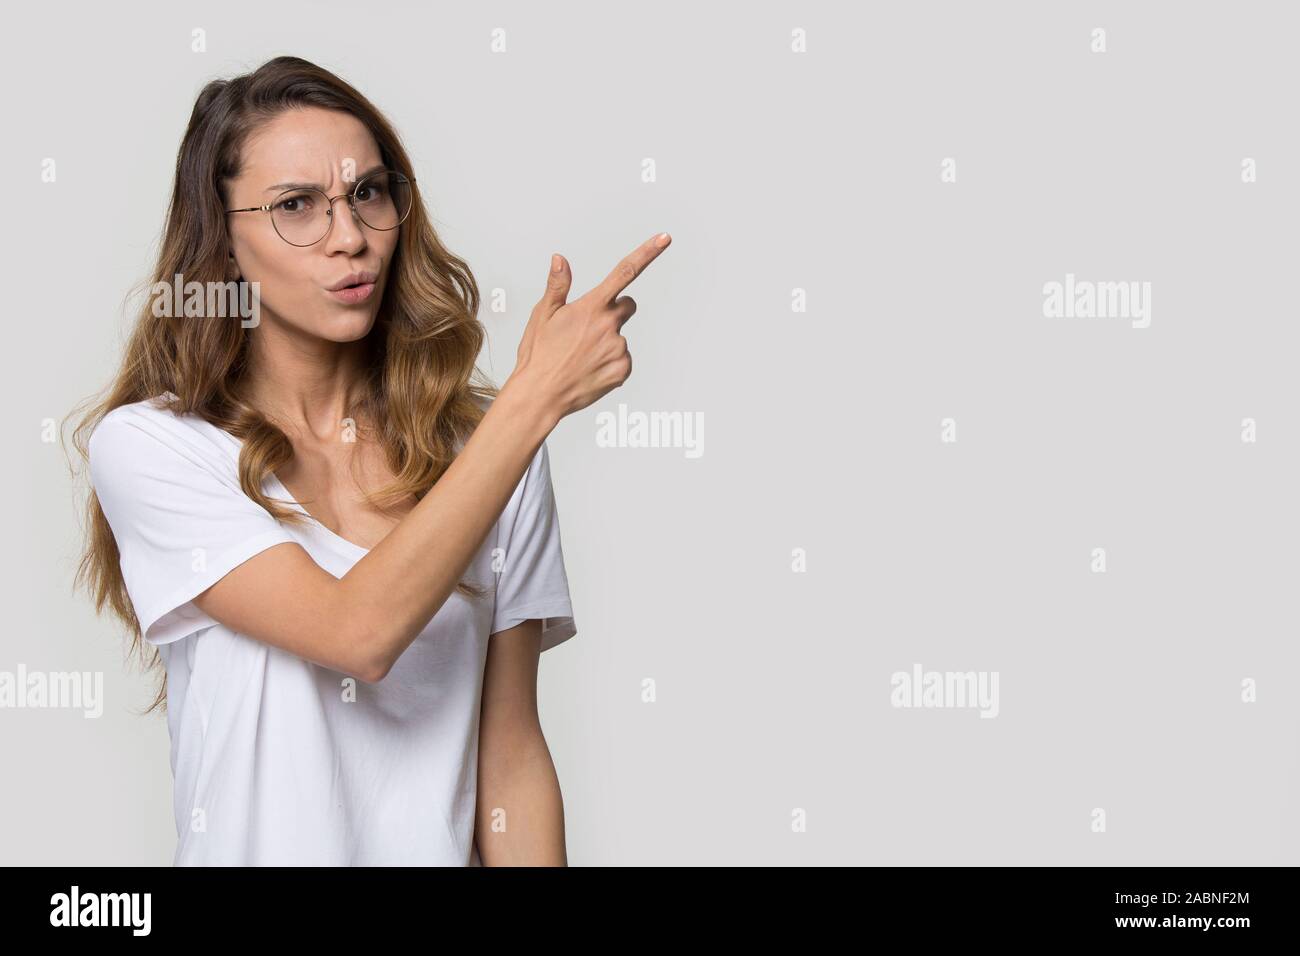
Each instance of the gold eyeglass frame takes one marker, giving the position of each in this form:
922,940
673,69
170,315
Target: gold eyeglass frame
350,197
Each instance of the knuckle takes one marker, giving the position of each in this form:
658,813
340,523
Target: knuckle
627,271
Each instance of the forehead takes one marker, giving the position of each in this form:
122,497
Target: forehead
309,146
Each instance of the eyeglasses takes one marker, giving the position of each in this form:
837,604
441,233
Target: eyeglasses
304,215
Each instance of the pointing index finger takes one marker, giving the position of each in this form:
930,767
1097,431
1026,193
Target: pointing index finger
632,266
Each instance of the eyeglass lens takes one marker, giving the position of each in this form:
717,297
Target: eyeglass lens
302,216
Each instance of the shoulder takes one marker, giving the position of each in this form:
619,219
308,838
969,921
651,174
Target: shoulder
150,433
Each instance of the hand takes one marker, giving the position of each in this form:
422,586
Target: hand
572,354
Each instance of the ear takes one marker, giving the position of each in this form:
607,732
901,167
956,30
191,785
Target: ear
232,267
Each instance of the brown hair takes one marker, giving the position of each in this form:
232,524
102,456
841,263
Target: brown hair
421,388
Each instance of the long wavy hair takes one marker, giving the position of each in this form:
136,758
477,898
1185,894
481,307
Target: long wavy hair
421,392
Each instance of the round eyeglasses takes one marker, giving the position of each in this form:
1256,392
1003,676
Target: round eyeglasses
303,215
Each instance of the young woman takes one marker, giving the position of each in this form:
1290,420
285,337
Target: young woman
345,552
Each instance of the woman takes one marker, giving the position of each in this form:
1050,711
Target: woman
318,520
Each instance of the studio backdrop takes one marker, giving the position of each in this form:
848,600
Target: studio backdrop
948,515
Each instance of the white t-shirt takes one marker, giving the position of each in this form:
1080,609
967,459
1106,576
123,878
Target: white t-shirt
277,760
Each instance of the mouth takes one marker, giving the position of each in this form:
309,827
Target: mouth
353,288
353,279
353,294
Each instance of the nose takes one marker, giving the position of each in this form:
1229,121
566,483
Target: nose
345,231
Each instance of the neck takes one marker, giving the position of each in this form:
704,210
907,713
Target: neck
305,384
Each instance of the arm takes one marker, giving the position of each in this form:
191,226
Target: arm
361,623
519,819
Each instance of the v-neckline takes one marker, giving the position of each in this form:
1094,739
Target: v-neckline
333,535
357,550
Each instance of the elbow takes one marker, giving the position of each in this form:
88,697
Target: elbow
371,666
368,672
358,633
365,654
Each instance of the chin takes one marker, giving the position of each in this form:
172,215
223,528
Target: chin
348,328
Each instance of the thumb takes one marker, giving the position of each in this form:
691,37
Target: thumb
558,281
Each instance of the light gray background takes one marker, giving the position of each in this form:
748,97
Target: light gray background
778,171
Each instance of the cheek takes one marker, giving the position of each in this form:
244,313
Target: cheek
280,272
262,256
386,248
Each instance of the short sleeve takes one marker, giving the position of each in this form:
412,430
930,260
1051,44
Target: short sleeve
532,582
180,519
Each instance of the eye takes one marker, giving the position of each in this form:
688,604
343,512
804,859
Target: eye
294,205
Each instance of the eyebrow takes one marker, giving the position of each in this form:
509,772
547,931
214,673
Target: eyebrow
280,187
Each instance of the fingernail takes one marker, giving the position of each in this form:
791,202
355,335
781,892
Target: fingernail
556,263
661,240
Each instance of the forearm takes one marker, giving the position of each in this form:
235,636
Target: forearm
520,811
397,587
